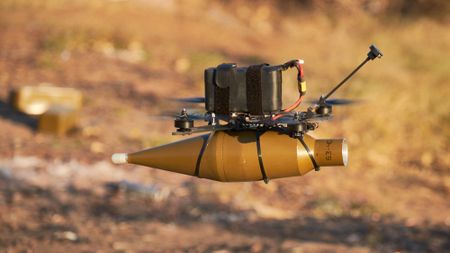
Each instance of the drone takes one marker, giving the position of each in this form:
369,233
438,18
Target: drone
249,98
249,137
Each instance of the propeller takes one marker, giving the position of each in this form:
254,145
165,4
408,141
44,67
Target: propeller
289,118
195,100
337,101
170,115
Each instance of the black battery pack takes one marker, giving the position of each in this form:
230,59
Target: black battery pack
254,90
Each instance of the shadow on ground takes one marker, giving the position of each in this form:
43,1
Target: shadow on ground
9,113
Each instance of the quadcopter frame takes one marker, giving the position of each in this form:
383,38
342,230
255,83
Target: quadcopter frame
290,122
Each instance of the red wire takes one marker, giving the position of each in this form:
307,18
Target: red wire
300,70
299,100
290,108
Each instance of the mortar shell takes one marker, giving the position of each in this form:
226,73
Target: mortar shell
242,156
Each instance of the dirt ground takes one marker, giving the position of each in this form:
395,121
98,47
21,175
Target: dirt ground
62,194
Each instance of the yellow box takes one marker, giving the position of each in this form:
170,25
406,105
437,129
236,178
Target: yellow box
58,120
36,100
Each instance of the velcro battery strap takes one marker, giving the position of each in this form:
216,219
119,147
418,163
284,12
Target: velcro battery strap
254,90
224,77
222,100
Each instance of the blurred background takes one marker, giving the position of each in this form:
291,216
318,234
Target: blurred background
128,57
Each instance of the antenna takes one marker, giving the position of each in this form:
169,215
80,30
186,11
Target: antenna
371,55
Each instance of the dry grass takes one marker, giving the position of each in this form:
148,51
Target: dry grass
399,136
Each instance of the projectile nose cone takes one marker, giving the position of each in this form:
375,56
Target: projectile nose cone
119,158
